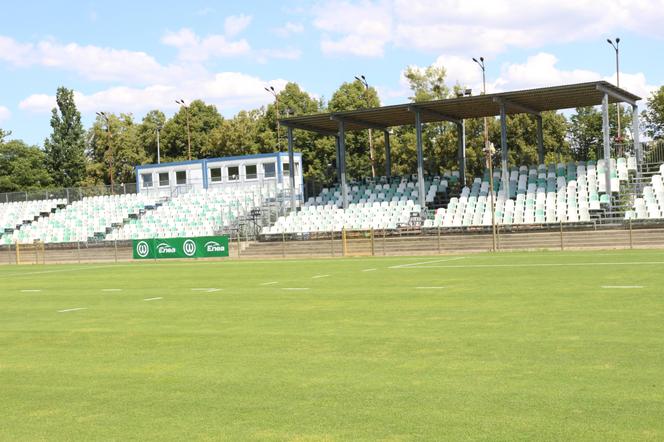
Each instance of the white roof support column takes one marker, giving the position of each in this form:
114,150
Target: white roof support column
503,150
461,141
607,145
420,158
291,167
540,139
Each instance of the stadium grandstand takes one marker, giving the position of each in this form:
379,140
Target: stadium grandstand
262,197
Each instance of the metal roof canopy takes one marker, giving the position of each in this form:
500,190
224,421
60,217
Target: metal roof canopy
531,101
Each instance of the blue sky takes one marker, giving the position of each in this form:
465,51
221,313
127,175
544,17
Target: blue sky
131,56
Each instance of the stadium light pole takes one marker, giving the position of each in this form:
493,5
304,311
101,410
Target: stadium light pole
271,90
362,79
186,112
616,47
489,150
104,116
158,129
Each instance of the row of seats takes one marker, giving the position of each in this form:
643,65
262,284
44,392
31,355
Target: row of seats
13,215
199,212
87,218
553,193
651,205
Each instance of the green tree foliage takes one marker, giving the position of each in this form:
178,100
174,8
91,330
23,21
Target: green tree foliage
352,96
203,120
115,143
4,134
65,148
147,133
585,131
22,167
427,84
654,115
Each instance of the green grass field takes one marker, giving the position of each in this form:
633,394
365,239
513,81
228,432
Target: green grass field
537,346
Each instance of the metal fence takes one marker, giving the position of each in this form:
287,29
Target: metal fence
629,235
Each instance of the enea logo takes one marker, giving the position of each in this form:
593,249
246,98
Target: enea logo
213,246
165,249
142,249
189,247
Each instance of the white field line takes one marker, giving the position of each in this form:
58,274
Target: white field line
72,309
111,290
369,270
319,276
75,269
270,283
622,286
295,288
567,264
207,290
30,291
430,287
153,299
417,264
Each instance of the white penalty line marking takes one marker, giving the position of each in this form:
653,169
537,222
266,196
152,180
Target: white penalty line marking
622,286
566,264
295,288
72,309
417,264
30,291
111,290
319,276
270,283
369,270
153,299
207,290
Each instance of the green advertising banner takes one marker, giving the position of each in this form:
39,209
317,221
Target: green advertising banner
162,248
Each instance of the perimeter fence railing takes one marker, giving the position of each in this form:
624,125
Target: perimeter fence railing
349,243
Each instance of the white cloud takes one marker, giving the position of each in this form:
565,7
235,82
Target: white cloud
289,29
4,113
91,62
191,47
481,27
230,91
234,24
365,27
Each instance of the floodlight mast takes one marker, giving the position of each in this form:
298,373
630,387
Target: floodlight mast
616,47
186,112
362,79
104,116
273,92
489,150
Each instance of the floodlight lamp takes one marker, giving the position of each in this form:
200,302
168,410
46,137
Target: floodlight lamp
468,92
617,40
475,60
482,59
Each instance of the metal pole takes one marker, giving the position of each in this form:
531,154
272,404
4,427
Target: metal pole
631,244
342,159
461,141
338,154
607,146
618,85
158,148
562,246
291,166
540,139
420,158
186,111
372,242
503,150
439,240
388,155
637,144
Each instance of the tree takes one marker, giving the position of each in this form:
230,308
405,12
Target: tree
65,148
585,131
147,133
115,140
4,134
351,96
22,167
203,120
654,115
428,83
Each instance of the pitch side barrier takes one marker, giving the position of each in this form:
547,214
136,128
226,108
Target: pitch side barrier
195,247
